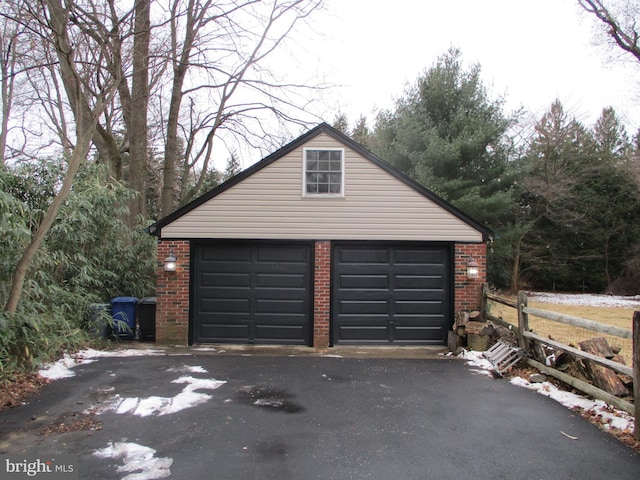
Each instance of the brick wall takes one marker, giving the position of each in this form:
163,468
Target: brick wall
172,291
322,294
468,291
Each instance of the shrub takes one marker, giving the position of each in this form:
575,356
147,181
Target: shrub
90,255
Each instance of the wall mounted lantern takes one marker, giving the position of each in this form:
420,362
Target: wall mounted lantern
170,262
472,268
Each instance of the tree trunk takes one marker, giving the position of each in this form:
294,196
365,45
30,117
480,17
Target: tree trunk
171,154
138,128
7,70
515,270
167,197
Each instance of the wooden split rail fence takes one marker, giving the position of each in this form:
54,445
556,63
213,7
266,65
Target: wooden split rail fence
529,341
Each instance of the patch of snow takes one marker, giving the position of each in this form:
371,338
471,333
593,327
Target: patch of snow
155,405
140,462
588,299
477,360
62,368
187,369
611,418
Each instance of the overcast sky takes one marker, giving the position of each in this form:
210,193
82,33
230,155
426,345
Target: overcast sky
532,52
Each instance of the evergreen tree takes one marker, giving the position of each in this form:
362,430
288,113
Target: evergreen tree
341,123
361,133
233,167
583,201
449,135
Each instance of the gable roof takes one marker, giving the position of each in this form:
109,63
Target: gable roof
323,128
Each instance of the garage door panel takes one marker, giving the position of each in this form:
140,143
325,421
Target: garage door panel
225,280
364,256
278,334
220,293
364,282
219,332
238,255
419,282
224,305
252,293
429,321
419,257
282,254
390,293
418,308
424,333
364,307
281,281
364,334
281,307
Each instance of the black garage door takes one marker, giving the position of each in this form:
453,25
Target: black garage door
391,294
252,293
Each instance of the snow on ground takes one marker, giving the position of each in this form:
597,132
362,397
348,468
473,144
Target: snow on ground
62,368
187,369
189,397
587,299
140,462
611,418
480,365
154,405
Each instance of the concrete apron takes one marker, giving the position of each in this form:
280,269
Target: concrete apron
411,352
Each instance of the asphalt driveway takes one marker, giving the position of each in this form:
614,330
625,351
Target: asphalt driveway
207,416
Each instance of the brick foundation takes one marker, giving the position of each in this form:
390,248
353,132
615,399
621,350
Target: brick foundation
172,291
322,294
468,291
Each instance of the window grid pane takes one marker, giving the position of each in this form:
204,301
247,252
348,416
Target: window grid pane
324,171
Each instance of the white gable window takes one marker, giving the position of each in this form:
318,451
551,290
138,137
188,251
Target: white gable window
323,172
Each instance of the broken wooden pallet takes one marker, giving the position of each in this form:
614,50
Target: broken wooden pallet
503,356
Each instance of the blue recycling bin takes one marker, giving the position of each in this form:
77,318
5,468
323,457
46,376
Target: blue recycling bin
123,313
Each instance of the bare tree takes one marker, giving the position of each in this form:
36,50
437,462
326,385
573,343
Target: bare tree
184,71
217,53
89,93
17,97
619,21
8,47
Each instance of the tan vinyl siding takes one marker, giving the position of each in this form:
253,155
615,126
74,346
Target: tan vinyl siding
270,205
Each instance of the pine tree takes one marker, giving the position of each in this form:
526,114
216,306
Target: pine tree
233,167
449,135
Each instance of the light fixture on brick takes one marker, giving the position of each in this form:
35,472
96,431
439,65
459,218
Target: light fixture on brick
170,262
472,268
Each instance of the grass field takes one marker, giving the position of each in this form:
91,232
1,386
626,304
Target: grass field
618,316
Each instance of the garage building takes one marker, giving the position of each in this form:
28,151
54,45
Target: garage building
321,243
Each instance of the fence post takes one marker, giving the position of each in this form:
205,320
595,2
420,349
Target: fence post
523,321
636,373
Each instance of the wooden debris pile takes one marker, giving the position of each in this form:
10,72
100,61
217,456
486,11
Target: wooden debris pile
604,378
471,331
